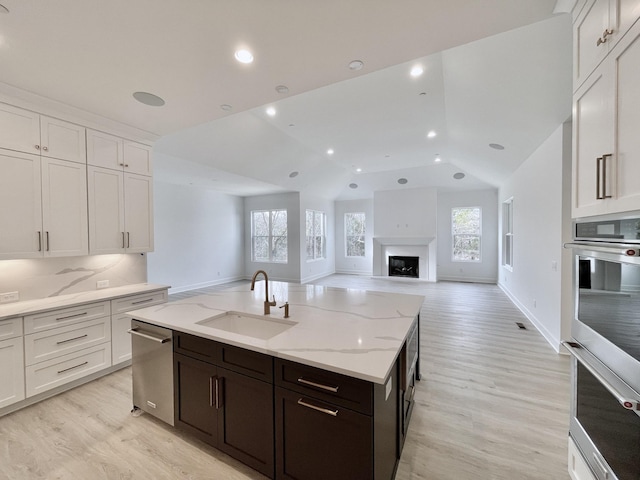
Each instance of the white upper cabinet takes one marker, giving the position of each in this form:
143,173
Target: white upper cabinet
20,206
25,131
120,212
606,163
600,25
108,151
43,209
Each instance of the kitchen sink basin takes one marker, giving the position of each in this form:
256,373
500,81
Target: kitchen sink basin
256,326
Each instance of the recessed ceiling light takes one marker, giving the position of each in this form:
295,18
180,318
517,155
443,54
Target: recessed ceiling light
458,175
431,134
293,174
148,99
3,9
292,124
358,170
244,56
422,93
416,71
353,185
402,181
226,107
330,151
282,89
496,146
356,65
271,111
437,159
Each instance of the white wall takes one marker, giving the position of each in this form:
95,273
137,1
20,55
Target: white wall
540,283
487,269
405,213
313,269
354,265
286,272
199,237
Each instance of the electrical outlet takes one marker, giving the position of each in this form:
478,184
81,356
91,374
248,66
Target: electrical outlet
102,283
9,297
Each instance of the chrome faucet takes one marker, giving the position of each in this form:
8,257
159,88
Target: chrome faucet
267,303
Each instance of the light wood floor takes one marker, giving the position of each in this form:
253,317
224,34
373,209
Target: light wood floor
493,404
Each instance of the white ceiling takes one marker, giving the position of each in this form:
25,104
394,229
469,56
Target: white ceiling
495,71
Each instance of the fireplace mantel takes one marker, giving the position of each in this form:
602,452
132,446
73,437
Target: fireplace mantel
424,247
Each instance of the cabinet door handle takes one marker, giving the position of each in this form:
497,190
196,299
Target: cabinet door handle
48,245
71,339
604,174
46,149
146,300
328,388
598,178
333,413
603,39
39,241
215,392
71,316
128,239
37,147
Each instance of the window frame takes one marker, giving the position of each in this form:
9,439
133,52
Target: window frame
507,234
270,237
363,235
454,235
314,236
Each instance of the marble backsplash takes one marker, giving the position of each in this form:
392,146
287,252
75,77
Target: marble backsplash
49,277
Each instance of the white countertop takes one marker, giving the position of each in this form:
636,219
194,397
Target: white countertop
353,332
18,309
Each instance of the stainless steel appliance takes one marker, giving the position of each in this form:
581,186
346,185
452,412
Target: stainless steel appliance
152,370
605,413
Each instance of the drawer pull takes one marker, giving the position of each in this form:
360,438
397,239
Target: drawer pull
71,339
71,316
333,413
142,301
328,388
71,368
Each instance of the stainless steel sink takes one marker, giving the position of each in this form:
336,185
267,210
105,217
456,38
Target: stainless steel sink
256,326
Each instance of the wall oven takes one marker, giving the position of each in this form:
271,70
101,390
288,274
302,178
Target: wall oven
605,411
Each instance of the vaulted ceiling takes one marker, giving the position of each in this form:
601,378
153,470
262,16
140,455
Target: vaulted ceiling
495,71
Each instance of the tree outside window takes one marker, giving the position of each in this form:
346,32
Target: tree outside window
316,235
354,228
269,236
466,234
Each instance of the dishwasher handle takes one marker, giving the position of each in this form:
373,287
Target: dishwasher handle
133,331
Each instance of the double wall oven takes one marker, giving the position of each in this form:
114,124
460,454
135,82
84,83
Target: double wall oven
605,412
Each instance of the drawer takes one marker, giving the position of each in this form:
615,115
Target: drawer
67,368
335,388
10,328
253,364
195,347
49,344
65,316
138,301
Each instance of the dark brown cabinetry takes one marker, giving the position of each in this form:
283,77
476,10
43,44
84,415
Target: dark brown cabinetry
224,395
333,426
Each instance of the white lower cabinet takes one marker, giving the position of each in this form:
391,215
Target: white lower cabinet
11,371
578,468
121,323
53,373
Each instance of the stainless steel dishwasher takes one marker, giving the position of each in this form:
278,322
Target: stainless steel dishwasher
152,370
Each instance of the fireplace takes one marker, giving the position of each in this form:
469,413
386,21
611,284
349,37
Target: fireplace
403,266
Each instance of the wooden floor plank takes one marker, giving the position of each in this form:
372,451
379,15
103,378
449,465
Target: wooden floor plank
493,404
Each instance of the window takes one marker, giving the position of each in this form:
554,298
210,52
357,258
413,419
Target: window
269,236
354,231
316,235
507,234
466,234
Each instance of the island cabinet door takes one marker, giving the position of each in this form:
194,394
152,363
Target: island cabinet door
245,420
316,440
195,397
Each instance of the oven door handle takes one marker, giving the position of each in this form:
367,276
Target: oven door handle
625,249
626,396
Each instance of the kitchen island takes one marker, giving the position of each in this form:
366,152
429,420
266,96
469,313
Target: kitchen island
325,393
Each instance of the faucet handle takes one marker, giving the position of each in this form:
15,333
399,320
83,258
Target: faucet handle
273,302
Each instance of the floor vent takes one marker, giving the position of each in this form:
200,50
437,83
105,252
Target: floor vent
521,326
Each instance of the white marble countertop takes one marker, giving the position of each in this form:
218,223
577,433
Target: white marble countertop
353,332
18,309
